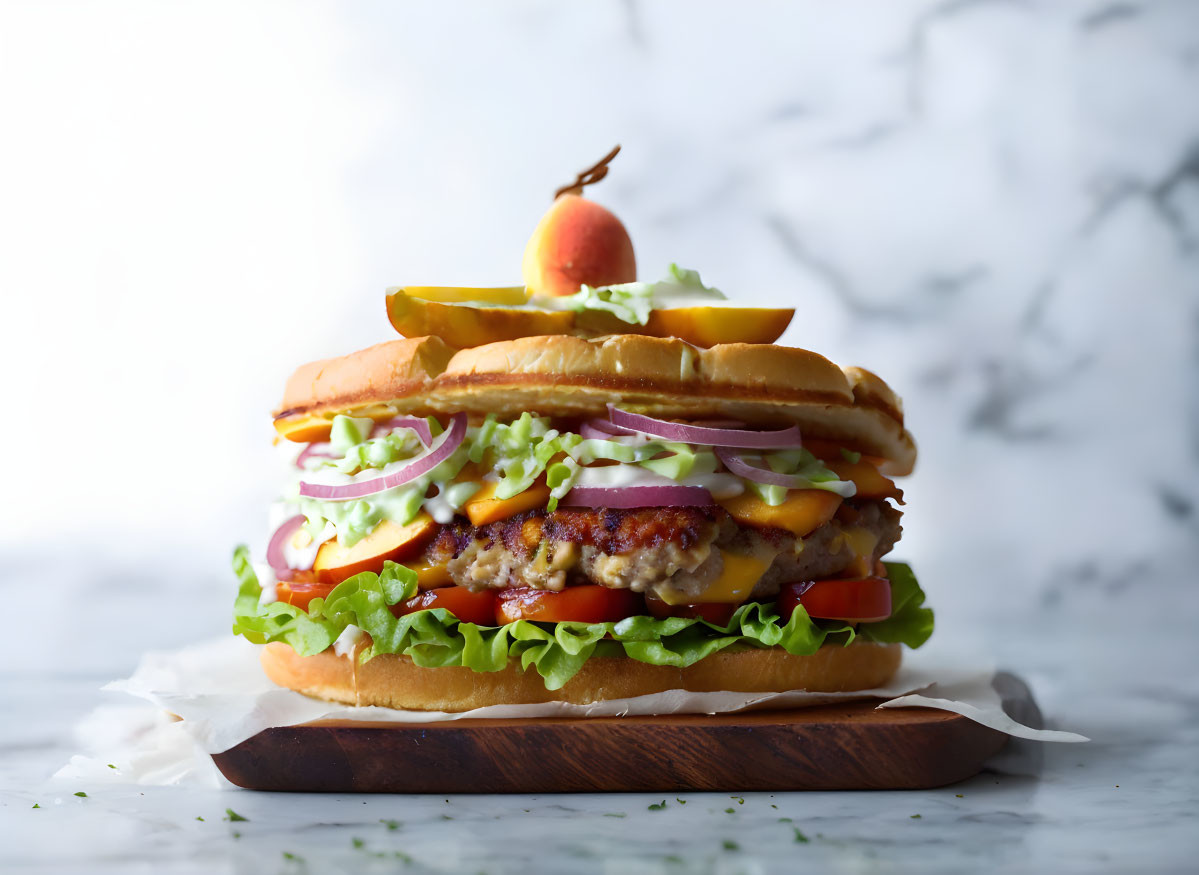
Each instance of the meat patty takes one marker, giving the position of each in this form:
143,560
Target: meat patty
674,551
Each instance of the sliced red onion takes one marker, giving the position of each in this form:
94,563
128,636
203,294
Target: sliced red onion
638,496
274,550
735,463
604,430
440,450
311,452
416,423
786,438
601,429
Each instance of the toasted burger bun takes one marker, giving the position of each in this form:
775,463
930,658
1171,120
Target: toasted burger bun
396,682
559,375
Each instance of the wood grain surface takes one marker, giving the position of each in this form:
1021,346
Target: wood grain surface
834,747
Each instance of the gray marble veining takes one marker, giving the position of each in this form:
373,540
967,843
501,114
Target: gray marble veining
995,205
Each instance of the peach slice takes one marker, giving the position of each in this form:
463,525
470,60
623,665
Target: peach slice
483,507
708,326
866,477
504,295
465,327
803,512
577,241
335,563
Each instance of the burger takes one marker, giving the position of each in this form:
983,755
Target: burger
622,490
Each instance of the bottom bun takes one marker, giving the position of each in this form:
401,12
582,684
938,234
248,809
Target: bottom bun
396,682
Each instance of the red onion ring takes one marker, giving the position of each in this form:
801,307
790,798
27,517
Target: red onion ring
418,425
440,450
638,496
601,429
309,452
274,550
786,438
733,461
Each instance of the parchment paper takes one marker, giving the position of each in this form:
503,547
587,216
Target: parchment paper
223,698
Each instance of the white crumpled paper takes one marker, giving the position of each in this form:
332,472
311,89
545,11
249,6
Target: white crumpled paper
223,698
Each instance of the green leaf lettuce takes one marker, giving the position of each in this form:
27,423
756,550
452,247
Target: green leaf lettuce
435,638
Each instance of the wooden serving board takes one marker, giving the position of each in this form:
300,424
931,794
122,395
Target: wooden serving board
833,747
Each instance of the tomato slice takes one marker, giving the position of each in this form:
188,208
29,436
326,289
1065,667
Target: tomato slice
467,606
301,592
583,604
856,600
716,613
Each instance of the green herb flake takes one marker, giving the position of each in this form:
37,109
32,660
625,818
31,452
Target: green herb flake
288,855
111,766
199,818
729,810
236,834
402,857
730,845
618,814
358,843
680,801
774,807
673,858
740,800
80,794
851,456
392,825
800,838
785,820
233,817
446,817
658,806
959,795
915,817
35,805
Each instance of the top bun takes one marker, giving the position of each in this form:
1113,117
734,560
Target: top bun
562,375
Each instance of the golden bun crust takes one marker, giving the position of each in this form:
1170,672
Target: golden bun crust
396,682
397,369
563,375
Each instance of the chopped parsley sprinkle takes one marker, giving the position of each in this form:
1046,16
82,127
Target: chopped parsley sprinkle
81,794
658,806
730,845
233,817
392,825
800,838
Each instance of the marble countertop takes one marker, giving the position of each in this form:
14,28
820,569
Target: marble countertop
1126,800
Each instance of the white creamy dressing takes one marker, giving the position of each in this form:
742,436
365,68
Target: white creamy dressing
619,476
439,508
304,556
347,641
266,580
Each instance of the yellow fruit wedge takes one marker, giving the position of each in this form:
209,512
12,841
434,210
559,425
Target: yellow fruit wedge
499,295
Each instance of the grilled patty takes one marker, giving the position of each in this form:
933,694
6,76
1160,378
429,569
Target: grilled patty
674,552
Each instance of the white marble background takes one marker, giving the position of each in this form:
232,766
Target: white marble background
995,205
